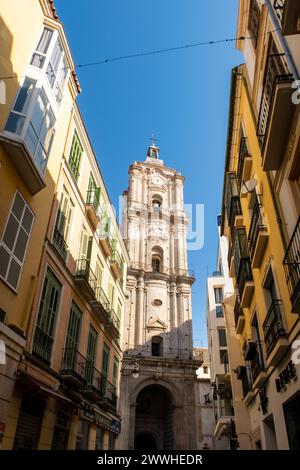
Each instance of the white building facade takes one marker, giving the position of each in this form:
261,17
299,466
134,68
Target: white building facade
158,385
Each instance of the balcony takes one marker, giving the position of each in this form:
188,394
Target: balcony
288,13
291,264
274,332
276,112
245,377
73,369
245,282
60,245
95,383
112,324
93,206
257,366
111,396
21,159
244,165
105,240
116,264
100,305
42,345
258,237
239,317
85,280
235,213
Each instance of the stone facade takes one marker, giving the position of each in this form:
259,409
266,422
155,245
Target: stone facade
157,335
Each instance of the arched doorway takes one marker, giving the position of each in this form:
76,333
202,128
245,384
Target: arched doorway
145,441
154,417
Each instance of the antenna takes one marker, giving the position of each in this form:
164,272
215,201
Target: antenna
248,186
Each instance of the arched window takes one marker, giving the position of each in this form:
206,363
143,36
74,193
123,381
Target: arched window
157,346
156,264
156,203
157,259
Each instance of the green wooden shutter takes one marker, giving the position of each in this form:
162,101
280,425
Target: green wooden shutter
75,155
91,354
74,327
115,372
105,360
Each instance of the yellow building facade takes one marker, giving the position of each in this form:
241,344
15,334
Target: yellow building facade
260,213
63,263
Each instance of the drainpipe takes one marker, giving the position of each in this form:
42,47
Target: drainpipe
282,40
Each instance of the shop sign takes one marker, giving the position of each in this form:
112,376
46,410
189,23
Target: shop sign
288,375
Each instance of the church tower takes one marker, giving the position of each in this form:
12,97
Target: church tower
158,374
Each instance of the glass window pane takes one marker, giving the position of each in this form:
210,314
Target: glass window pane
21,245
31,139
18,206
13,273
45,41
15,123
27,220
10,232
4,261
24,96
39,111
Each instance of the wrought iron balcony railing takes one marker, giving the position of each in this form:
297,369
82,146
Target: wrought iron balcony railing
114,319
243,153
235,210
244,274
275,73
273,327
42,344
102,298
84,272
246,380
279,7
73,364
95,380
257,361
238,311
256,226
93,199
111,395
254,21
291,264
60,244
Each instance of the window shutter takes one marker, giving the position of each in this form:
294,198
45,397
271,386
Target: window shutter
15,240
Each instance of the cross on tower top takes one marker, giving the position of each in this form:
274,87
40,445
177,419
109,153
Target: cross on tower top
153,139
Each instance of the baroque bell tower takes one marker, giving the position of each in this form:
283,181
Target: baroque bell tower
158,373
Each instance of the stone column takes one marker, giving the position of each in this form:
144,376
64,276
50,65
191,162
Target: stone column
139,320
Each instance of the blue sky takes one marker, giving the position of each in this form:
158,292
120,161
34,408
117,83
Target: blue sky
183,96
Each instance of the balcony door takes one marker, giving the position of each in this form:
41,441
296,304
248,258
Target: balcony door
91,355
105,367
73,336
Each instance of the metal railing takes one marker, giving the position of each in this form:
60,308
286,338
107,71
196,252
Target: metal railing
235,210
116,258
256,226
111,395
280,9
60,244
238,311
246,381
254,21
101,298
273,326
73,363
114,319
291,262
83,270
95,380
257,361
275,72
42,344
164,269
243,153
93,198
244,274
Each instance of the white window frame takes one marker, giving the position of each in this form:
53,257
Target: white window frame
11,252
